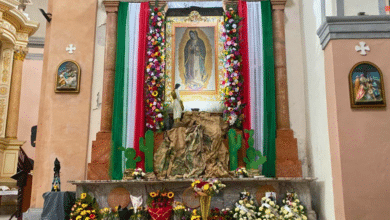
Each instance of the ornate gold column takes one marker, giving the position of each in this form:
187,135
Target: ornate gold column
98,169
287,163
11,130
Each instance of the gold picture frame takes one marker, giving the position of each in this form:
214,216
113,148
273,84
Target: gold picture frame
179,32
366,86
68,76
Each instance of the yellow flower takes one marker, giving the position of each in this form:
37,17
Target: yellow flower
78,217
206,187
153,194
171,195
84,205
87,218
155,93
83,195
83,213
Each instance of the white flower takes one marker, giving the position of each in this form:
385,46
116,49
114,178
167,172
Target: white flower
272,203
241,202
234,25
237,209
294,204
242,212
304,217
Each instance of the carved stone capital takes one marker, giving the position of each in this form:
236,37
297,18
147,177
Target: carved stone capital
111,6
278,4
20,53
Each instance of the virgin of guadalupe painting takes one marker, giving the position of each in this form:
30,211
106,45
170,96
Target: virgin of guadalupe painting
194,61
68,77
366,86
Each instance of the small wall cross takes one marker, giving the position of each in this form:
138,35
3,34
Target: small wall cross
70,48
363,48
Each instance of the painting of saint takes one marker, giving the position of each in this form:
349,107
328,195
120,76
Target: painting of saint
68,75
194,61
366,85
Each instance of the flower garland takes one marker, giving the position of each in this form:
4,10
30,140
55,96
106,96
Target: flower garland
154,79
232,70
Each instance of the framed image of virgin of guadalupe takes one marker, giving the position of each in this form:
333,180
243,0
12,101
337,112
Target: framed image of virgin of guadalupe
366,86
194,48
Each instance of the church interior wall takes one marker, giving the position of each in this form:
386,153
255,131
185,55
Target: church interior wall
63,123
317,135
362,133
29,99
98,69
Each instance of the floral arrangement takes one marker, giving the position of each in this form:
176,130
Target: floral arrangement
141,213
181,212
216,214
227,214
109,214
155,66
233,78
242,171
160,199
292,209
244,208
207,188
138,173
268,209
195,215
85,208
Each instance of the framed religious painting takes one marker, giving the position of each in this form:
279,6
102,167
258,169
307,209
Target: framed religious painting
366,86
68,77
194,48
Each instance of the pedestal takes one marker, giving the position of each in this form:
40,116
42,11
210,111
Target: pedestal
98,169
287,162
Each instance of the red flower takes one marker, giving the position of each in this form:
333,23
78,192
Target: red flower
155,9
92,216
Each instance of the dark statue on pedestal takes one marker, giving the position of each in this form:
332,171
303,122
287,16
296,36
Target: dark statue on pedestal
56,184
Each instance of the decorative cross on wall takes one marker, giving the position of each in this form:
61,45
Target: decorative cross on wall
70,48
363,48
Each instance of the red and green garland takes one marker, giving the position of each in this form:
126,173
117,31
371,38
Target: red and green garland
232,69
154,79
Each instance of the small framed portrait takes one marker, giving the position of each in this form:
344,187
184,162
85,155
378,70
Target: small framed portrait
366,86
68,77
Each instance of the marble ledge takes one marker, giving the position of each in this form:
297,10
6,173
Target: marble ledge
224,180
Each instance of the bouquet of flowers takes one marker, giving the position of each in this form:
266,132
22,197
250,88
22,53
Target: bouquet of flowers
138,173
160,204
207,188
241,171
109,214
244,208
140,213
195,215
292,209
216,214
181,212
227,214
85,208
268,209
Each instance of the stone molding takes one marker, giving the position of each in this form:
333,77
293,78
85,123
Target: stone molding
278,4
36,42
354,27
111,6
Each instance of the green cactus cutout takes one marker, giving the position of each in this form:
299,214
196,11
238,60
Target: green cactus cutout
147,145
131,159
251,153
234,146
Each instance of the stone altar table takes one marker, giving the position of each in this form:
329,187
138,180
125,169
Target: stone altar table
100,189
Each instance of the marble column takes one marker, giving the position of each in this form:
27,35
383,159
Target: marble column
98,169
109,65
287,162
11,130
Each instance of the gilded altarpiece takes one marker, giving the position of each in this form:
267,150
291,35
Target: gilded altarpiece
7,53
193,59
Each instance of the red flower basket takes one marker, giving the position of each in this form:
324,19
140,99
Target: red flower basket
160,213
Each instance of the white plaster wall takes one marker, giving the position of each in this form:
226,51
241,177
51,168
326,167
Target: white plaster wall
316,112
98,69
296,86
330,6
352,7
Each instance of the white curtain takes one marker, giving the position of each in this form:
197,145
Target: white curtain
133,27
255,45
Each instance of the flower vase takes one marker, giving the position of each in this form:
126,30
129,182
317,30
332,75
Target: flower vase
163,213
205,206
241,176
